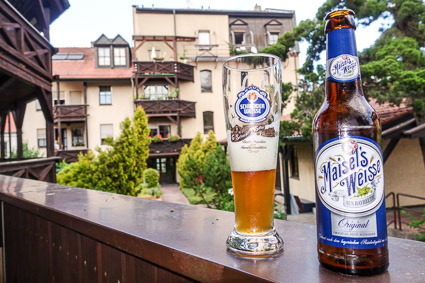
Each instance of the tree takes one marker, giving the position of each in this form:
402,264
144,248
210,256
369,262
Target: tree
27,152
117,169
393,69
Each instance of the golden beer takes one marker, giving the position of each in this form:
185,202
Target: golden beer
252,99
254,199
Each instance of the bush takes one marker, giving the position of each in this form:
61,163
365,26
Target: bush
119,168
151,177
204,168
26,152
145,191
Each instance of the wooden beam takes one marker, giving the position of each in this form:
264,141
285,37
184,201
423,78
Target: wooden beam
165,41
170,81
7,64
390,147
2,125
138,46
45,99
41,11
18,116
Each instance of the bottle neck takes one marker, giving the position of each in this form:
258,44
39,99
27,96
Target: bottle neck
343,78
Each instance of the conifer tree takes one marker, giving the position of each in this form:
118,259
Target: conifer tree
120,167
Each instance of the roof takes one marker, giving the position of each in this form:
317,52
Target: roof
267,13
12,124
388,113
396,121
86,68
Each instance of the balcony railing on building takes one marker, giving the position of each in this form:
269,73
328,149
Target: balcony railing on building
70,113
164,69
166,108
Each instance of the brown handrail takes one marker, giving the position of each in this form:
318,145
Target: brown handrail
394,208
399,207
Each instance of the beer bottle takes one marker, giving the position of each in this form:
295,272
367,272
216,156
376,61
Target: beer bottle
351,214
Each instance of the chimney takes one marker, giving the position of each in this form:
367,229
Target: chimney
257,8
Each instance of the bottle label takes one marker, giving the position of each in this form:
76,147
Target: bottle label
350,190
342,63
343,68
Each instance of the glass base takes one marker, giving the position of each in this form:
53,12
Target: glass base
267,244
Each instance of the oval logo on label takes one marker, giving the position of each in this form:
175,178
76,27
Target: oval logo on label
252,105
344,67
350,176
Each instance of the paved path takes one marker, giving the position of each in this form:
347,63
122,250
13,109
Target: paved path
172,193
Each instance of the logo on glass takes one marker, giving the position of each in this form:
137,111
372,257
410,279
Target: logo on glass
252,105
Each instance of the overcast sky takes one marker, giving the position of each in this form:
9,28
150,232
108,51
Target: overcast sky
86,20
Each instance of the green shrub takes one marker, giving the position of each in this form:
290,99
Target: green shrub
204,168
418,223
120,167
151,177
145,191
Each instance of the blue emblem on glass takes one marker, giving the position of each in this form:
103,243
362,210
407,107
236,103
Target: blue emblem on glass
252,105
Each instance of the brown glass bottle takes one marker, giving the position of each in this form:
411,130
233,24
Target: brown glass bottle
352,179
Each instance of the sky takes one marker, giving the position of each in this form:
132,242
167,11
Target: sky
86,20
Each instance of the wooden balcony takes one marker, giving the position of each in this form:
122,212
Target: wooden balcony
70,155
167,148
42,169
54,233
70,113
167,108
163,69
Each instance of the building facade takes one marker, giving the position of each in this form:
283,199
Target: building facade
174,71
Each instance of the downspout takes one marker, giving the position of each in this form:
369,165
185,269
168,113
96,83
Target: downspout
175,35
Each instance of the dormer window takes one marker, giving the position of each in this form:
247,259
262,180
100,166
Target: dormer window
104,56
119,56
112,53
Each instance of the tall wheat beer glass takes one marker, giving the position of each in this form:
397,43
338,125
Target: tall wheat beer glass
252,101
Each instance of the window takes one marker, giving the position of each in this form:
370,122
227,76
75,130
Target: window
208,121
155,92
61,98
293,161
104,56
204,38
244,79
154,131
164,130
105,97
273,36
239,37
119,57
41,138
106,131
206,81
77,135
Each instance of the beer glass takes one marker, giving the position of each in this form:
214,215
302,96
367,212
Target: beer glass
252,107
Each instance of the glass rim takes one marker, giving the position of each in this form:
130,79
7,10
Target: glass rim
233,58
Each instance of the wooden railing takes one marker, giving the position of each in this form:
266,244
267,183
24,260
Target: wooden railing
42,169
54,233
167,147
164,68
70,155
168,107
70,112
